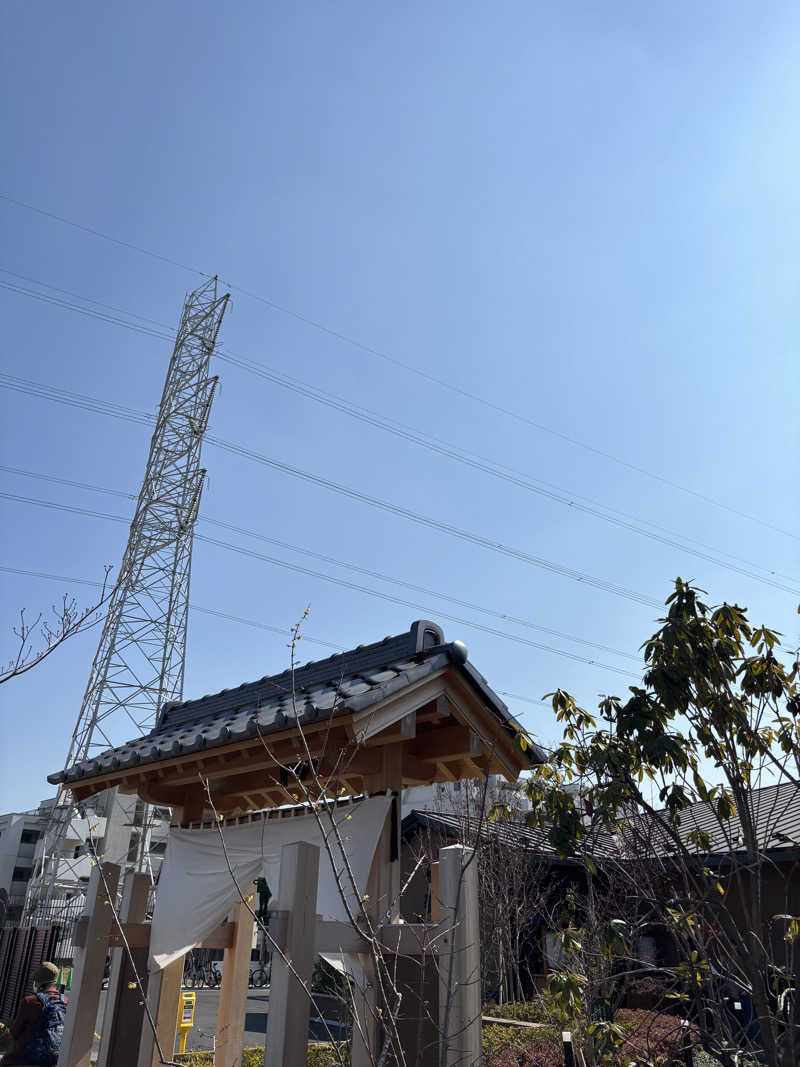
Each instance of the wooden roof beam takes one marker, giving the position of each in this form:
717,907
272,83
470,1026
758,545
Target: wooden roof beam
417,771
446,742
468,710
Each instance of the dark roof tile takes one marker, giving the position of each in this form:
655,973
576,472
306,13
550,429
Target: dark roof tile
347,681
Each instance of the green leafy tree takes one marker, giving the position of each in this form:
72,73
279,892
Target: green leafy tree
689,776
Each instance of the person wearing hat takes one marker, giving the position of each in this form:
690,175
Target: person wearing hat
30,1010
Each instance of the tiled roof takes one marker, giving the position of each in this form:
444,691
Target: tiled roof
775,813
511,833
343,683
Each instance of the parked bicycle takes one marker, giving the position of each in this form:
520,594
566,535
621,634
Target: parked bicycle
259,977
199,973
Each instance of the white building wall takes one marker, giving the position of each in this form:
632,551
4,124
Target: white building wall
17,855
465,797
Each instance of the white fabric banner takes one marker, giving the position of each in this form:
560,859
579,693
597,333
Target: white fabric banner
196,891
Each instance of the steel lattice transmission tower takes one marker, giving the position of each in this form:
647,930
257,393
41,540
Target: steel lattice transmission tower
140,659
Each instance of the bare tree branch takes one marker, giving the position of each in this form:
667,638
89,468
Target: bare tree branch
67,621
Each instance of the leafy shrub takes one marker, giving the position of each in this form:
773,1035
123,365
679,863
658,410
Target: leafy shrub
496,1037
513,1046
319,1055
323,1055
539,1010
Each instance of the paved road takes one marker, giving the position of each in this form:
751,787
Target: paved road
255,1022
205,1018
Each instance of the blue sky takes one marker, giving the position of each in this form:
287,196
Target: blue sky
585,214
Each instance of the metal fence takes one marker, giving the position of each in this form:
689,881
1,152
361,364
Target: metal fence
47,934
22,950
59,912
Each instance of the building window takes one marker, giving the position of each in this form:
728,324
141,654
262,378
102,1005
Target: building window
21,874
29,837
133,848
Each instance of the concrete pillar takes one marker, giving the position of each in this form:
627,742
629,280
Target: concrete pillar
459,958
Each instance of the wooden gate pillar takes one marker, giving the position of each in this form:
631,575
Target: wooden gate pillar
124,1015
163,999
459,958
232,1005
95,926
289,1006
383,903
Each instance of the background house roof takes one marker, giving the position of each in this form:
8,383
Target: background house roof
775,811
510,833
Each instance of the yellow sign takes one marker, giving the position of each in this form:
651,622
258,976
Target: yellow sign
185,1017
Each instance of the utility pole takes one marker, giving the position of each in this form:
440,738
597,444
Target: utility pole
140,659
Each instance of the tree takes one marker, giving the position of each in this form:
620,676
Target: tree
37,639
673,772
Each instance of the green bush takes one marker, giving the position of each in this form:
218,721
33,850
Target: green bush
324,1055
539,1010
319,1055
495,1038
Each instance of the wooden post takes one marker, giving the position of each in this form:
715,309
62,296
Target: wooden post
124,1015
163,998
87,975
289,1008
383,893
459,958
232,1004
164,987
389,846
434,909
364,1043
569,1052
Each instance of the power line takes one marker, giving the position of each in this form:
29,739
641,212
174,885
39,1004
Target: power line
104,236
50,392
410,368
322,557
407,513
251,554
283,631
547,490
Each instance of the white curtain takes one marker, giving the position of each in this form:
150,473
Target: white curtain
196,891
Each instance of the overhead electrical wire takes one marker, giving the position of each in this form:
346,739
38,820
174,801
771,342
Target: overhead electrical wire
252,554
429,522
282,631
410,368
322,557
50,392
548,490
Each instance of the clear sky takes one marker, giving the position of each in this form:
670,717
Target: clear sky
584,214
